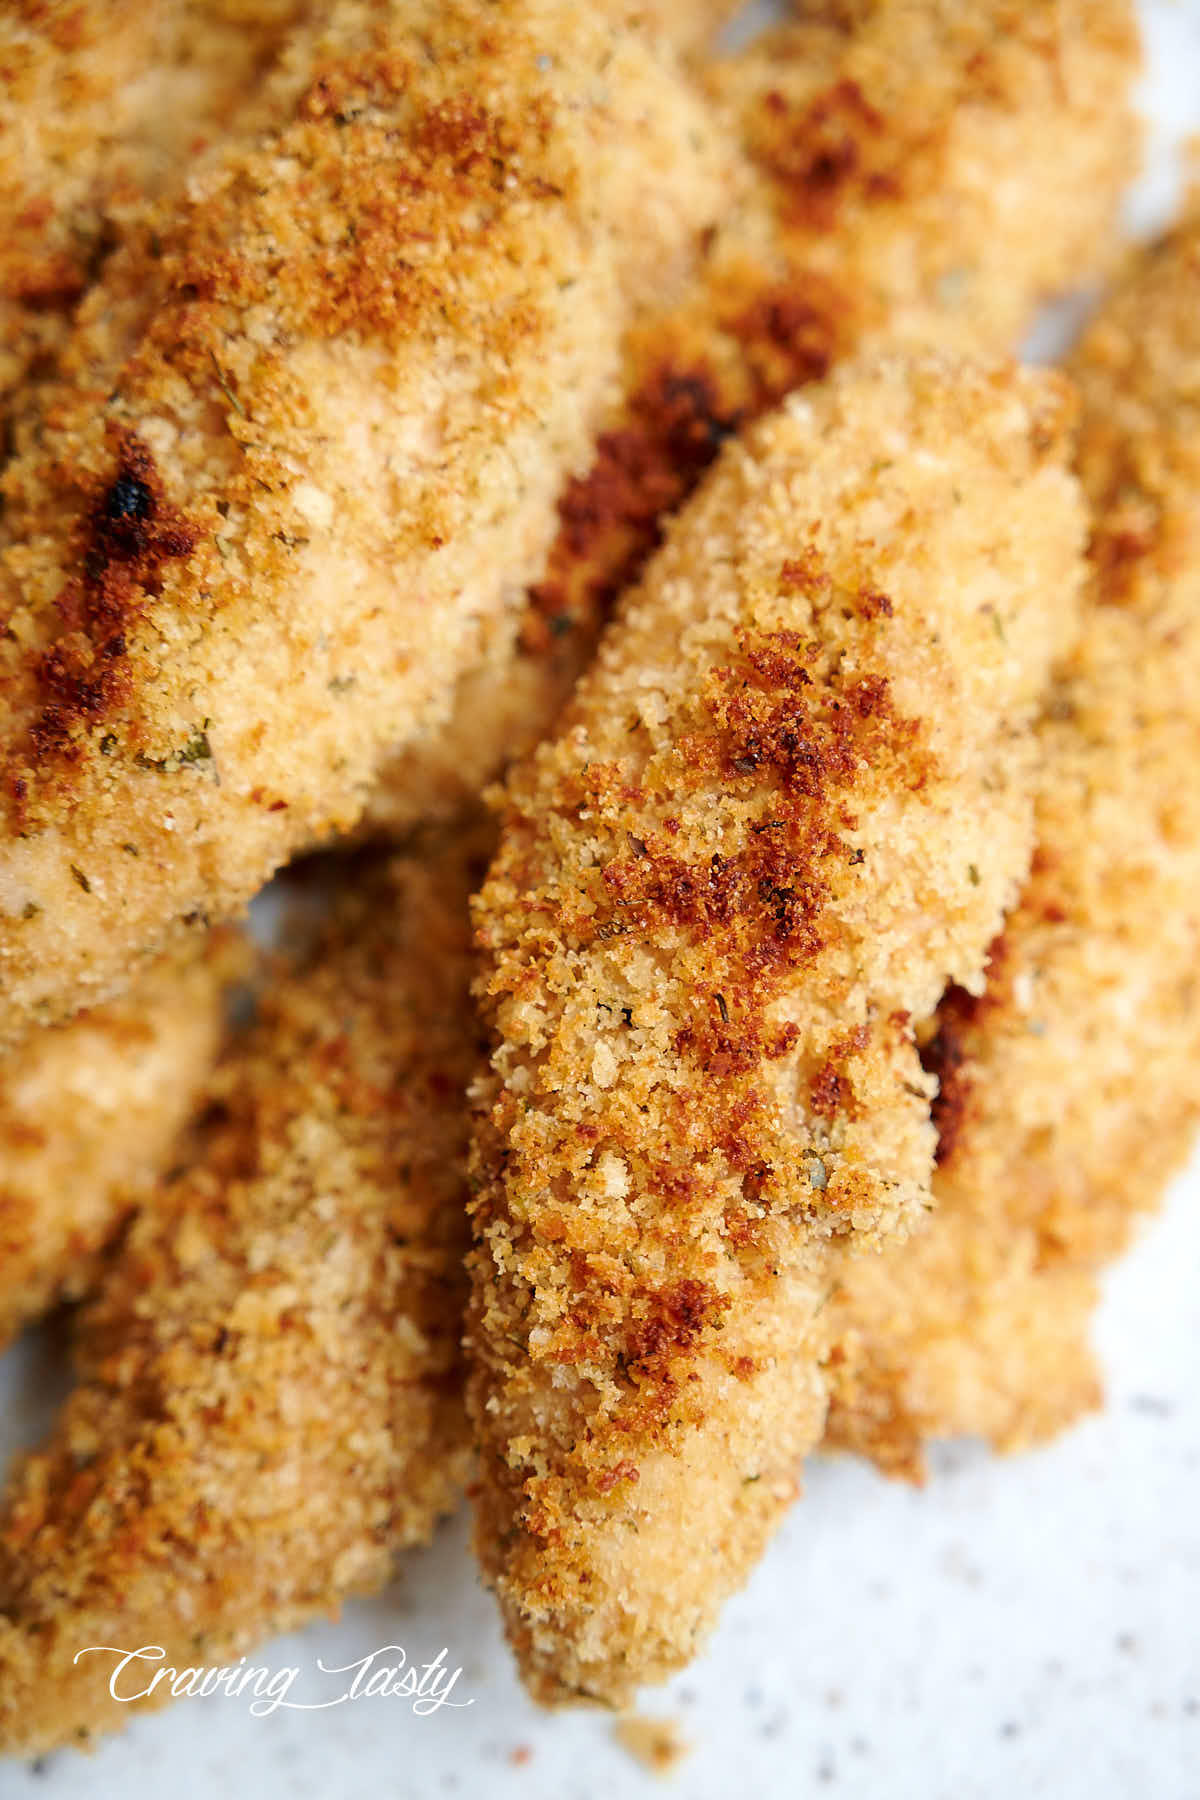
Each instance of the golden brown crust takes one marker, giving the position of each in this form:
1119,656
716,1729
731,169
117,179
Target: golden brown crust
352,370
103,102
805,743
881,127
269,1404
1076,1076
871,211
90,1115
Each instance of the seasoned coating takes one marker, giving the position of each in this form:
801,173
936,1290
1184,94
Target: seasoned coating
317,425
269,1404
946,162
790,800
90,1115
872,214
1070,1089
102,102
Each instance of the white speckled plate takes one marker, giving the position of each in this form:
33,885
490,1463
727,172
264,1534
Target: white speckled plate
1020,1629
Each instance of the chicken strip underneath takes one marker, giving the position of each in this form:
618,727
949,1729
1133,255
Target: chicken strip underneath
91,1114
103,102
269,1402
793,796
1070,1089
948,163
309,447
873,215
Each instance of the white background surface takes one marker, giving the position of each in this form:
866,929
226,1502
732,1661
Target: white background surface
1028,1628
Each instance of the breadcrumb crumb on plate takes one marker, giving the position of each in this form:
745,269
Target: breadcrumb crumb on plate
658,1744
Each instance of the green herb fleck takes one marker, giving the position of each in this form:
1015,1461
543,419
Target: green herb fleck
197,749
81,878
225,387
973,873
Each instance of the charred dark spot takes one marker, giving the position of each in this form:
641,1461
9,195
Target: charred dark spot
829,1092
947,1054
836,146
676,1315
790,337
944,1057
128,498
125,538
611,518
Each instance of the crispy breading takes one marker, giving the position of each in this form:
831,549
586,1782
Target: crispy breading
270,1403
791,798
90,1115
874,214
1070,1090
103,102
947,162
316,428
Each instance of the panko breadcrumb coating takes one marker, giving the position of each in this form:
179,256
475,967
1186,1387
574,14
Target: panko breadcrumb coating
103,102
90,1115
947,163
1070,1090
270,1397
791,799
873,213
316,429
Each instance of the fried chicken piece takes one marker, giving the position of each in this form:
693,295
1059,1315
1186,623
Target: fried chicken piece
90,1115
947,163
270,1404
315,433
792,797
1070,1090
874,215
102,102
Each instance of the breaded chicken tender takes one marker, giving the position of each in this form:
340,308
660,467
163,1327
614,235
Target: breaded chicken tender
103,102
269,1404
790,800
90,1115
872,214
1070,1089
316,428
946,163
